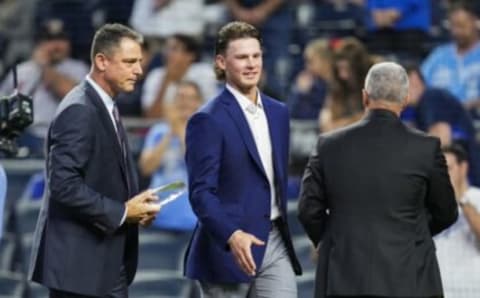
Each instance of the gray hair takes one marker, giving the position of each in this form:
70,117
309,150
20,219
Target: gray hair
387,81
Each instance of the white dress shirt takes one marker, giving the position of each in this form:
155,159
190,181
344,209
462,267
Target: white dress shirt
458,253
257,121
109,103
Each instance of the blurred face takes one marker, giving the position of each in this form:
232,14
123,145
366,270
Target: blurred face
187,101
57,49
242,63
122,67
462,28
344,70
416,87
176,53
457,171
316,65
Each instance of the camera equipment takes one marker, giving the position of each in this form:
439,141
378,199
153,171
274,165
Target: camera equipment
16,113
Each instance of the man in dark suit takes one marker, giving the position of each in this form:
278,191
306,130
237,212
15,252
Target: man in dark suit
372,196
86,240
237,155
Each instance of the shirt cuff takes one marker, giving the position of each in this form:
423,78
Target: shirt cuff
124,216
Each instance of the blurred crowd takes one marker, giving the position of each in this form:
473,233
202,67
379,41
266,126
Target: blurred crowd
316,56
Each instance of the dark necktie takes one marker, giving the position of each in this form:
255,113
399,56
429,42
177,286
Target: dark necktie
121,136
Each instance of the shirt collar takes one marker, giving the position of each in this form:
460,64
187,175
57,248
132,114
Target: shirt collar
243,101
106,99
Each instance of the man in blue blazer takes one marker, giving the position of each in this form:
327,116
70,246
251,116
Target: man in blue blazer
237,155
86,240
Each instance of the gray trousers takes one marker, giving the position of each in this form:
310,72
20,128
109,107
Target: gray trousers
274,279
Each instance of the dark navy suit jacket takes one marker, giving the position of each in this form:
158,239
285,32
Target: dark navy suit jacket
78,245
229,189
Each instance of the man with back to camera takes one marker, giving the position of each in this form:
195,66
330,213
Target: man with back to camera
86,241
236,155
372,196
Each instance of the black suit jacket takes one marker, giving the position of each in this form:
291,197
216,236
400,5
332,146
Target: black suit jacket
372,196
78,245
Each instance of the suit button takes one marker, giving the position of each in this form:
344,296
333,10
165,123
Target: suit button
266,216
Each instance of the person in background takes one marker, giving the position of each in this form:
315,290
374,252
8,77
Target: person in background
344,103
439,113
455,66
162,156
163,18
396,26
48,76
310,90
457,247
181,63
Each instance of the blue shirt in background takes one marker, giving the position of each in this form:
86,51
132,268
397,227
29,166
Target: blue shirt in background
177,215
460,75
438,105
3,194
415,14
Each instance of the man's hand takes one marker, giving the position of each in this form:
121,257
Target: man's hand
141,206
240,245
147,220
41,55
304,82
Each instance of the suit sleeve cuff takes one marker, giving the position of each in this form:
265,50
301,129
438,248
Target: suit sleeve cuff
124,217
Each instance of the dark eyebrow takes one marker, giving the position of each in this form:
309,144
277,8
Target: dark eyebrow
131,60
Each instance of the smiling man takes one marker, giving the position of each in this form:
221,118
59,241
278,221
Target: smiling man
86,241
236,155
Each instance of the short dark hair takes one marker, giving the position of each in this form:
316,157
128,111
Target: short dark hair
230,32
457,151
109,36
191,45
465,5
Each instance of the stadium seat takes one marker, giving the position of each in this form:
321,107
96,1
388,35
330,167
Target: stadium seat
12,285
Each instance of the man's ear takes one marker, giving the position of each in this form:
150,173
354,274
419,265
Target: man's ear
365,99
220,62
406,101
101,61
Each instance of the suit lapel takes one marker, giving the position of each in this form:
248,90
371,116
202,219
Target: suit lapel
107,123
275,140
236,113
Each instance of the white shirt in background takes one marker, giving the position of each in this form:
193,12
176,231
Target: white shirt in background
178,16
200,73
458,253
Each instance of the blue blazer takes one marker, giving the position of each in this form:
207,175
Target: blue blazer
78,245
229,189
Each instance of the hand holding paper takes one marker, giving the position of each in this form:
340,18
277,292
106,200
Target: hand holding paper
178,187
